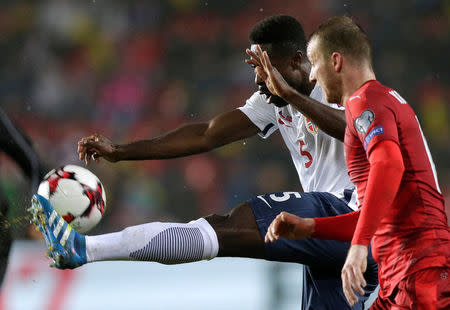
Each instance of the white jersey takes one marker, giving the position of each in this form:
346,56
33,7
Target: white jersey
318,157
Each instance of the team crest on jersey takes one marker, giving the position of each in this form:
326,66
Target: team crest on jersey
363,122
312,128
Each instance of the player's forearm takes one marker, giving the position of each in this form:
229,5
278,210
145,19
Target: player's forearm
183,141
191,139
339,227
328,119
386,171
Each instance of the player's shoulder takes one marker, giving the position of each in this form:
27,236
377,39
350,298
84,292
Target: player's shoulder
373,95
367,90
375,92
259,101
256,98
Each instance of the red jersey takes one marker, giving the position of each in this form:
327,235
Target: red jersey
414,233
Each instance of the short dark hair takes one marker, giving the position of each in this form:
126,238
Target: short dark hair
283,32
341,34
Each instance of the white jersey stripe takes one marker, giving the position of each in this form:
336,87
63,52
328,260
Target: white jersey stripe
430,159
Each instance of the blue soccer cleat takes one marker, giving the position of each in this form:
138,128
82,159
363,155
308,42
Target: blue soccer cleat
66,247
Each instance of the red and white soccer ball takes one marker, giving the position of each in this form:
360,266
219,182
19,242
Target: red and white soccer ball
76,194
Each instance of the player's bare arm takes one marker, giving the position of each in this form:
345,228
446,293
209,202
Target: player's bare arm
186,140
331,121
287,225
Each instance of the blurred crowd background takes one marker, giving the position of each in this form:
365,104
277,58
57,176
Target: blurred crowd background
135,69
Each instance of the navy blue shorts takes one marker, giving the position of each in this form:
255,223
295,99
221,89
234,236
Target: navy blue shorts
324,259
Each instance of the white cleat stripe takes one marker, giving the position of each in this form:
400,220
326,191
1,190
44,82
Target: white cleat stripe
52,217
58,227
65,236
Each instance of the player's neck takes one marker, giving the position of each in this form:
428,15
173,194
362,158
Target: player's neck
354,79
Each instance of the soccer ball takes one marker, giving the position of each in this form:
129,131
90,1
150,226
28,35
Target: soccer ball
76,194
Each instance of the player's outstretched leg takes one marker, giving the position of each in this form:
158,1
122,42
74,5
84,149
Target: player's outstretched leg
66,247
166,243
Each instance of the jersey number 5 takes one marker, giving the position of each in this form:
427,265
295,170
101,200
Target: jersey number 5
305,153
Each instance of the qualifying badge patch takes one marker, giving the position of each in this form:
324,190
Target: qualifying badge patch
363,122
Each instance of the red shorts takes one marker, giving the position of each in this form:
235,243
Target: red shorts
427,289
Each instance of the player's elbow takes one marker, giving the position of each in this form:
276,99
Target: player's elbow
338,129
392,162
392,165
398,165
386,156
213,137
340,134
210,140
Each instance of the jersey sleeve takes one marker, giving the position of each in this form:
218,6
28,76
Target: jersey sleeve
261,114
340,227
386,170
373,118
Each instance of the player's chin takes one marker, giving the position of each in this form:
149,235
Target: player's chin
277,101
332,98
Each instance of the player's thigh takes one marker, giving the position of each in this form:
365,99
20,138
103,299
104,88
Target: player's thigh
324,257
241,232
307,205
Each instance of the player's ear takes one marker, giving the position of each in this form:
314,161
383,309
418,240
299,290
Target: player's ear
336,61
297,59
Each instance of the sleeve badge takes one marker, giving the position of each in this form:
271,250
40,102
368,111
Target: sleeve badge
363,122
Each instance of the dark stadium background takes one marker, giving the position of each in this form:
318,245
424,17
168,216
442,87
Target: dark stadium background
135,69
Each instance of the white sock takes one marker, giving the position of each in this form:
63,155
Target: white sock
166,243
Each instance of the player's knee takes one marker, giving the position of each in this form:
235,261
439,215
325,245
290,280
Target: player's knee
239,217
238,233
215,219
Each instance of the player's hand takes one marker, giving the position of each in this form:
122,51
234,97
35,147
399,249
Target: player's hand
290,226
96,146
275,82
353,273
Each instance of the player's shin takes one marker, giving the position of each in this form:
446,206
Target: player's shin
166,243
